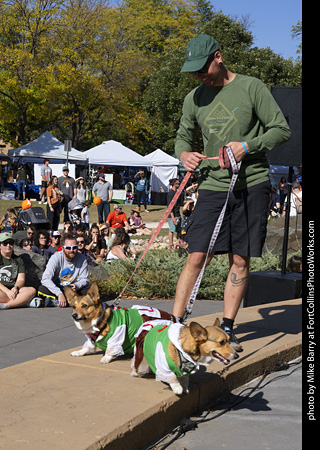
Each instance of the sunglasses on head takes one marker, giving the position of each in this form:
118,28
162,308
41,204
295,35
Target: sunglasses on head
205,68
7,243
69,247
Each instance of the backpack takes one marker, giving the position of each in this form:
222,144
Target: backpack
298,203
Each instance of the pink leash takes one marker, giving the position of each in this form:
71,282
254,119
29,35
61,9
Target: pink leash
226,159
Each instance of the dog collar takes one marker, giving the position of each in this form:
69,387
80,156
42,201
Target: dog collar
186,366
94,336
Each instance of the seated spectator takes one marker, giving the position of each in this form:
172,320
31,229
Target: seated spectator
66,268
136,224
95,243
295,264
296,200
75,207
14,223
117,218
104,232
31,232
55,239
42,245
120,233
81,230
26,244
4,224
13,292
68,227
119,247
90,257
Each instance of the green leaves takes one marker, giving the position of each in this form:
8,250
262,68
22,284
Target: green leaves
89,71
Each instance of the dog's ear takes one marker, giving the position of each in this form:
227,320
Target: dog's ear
216,322
70,295
199,333
93,292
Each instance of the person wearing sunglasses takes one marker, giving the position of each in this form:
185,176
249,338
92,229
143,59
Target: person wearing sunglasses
55,239
90,257
13,292
26,244
65,268
240,112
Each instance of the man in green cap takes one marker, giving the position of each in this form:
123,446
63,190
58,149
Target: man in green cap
236,111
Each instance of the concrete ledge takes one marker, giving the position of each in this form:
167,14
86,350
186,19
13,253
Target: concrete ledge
62,402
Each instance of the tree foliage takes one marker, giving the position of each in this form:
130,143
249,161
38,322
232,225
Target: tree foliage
90,71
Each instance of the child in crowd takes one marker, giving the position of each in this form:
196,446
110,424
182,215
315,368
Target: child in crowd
85,217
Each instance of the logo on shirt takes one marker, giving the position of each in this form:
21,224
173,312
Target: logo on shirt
66,277
220,121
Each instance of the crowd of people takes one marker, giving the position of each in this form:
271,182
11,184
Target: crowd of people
69,253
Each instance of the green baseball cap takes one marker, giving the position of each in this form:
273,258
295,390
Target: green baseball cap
5,236
198,50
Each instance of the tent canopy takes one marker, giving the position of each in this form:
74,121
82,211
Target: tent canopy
164,167
113,153
160,158
46,146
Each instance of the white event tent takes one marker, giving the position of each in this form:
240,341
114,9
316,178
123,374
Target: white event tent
113,153
47,146
163,168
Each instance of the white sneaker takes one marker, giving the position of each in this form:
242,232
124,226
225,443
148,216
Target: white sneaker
36,302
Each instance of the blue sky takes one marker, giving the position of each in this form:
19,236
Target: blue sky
271,21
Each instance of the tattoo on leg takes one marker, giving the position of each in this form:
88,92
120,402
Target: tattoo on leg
237,282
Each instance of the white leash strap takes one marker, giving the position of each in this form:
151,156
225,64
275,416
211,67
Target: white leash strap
235,170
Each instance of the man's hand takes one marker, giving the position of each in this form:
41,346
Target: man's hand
238,150
62,301
191,160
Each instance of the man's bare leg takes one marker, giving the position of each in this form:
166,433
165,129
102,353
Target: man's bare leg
234,291
187,280
236,284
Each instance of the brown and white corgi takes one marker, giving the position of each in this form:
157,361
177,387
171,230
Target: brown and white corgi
173,351
110,329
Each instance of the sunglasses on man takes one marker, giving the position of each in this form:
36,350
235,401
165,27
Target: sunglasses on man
70,247
5,243
205,68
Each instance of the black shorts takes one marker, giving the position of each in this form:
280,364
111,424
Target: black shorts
244,226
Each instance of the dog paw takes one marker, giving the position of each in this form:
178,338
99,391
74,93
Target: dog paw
106,359
177,388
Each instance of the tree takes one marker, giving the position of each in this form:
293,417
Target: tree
167,87
23,26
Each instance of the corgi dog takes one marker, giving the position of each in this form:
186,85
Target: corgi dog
110,329
174,351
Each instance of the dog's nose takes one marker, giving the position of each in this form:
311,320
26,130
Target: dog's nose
74,315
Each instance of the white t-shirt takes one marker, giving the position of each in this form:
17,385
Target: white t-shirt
293,208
